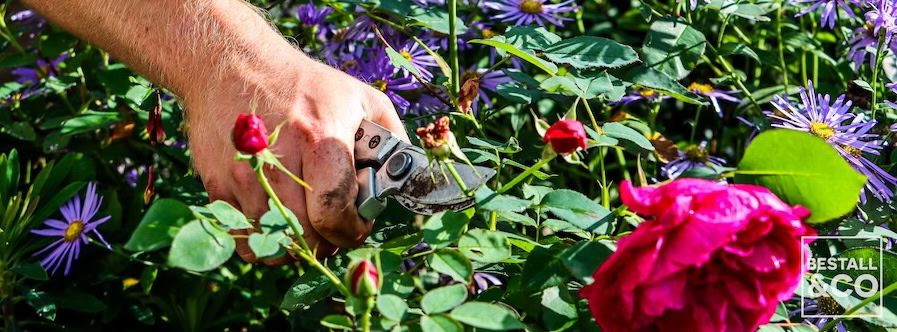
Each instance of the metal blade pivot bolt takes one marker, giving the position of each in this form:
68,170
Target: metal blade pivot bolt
398,165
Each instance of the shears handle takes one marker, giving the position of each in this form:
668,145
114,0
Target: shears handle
373,146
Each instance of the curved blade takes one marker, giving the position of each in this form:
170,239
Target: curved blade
422,195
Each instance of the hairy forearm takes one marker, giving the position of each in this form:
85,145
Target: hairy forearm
191,47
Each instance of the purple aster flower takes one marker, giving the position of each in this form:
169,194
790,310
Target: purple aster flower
313,18
484,280
338,47
29,21
361,29
309,15
415,54
715,95
378,71
28,76
824,305
691,157
439,40
488,82
893,87
524,12
848,133
864,41
693,4
426,104
72,233
829,9
647,94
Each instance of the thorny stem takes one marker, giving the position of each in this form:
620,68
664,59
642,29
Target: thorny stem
304,251
524,175
457,177
605,193
591,116
366,316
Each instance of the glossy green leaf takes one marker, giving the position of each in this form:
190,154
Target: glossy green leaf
228,215
338,322
400,61
159,225
658,80
444,298
452,263
442,229
627,137
576,208
673,47
392,307
437,19
485,246
492,201
200,246
487,316
738,49
440,323
499,43
802,169
590,52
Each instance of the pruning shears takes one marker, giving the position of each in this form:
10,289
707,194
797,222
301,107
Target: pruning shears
386,167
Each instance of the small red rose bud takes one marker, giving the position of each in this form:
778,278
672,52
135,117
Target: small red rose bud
250,134
364,279
566,136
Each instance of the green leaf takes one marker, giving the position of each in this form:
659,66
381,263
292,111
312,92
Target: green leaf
589,52
267,245
437,19
442,229
228,215
440,323
13,60
485,246
528,37
312,286
339,322
200,246
273,221
517,218
657,80
627,137
491,201
90,120
452,263
397,284
544,268
31,271
148,277
42,303
584,258
21,130
673,47
444,298
8,88
739,49
159,225
887,258
487,316
78,301
558,309
400,61
499,43
576,208
511,146
802,169
392,307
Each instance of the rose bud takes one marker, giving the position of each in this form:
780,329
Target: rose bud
566,136
250,134
709,257
364,279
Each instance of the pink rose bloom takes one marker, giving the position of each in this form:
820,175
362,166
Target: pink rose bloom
712,257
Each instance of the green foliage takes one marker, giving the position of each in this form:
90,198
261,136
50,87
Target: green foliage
792,164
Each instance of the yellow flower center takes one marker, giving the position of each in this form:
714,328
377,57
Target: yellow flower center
379,84
73,231
647,92
821,130
406,55
488,33
339,35
531,6
697,154
349,64
852,150
703,88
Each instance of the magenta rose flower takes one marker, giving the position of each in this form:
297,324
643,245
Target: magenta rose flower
709,257
250,134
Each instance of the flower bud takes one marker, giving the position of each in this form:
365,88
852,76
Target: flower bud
154,123
566,136
364,280
250,134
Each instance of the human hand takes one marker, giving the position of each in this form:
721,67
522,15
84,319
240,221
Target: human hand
322,108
